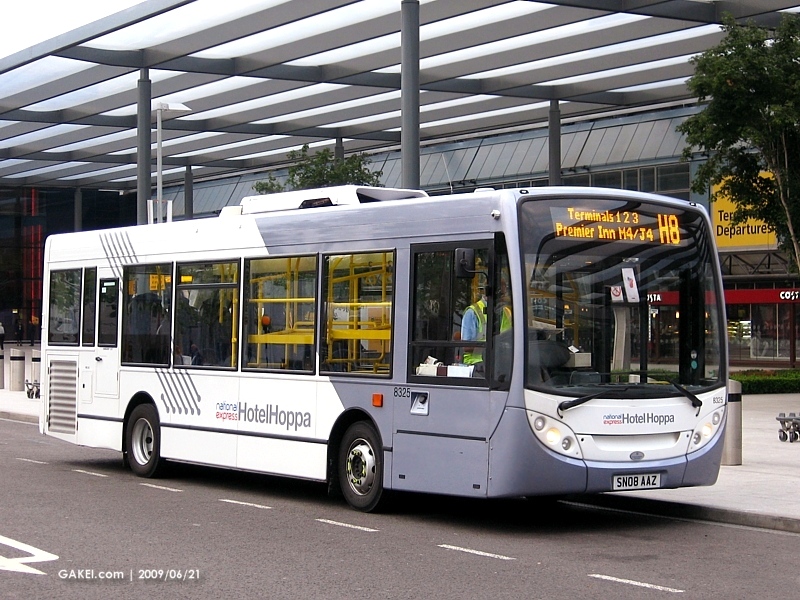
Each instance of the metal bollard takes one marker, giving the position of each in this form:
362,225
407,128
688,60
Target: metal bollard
732,446
17,370
2,370
36,365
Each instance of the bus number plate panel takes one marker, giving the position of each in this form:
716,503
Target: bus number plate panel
636,481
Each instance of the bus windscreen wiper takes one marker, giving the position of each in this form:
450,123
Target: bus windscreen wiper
567,404
696,402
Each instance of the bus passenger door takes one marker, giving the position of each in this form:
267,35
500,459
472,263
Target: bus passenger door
106,358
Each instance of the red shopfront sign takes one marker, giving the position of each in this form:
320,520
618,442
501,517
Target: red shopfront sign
768,296
765,296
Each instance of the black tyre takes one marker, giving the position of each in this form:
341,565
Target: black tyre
360,467
782,435
143,441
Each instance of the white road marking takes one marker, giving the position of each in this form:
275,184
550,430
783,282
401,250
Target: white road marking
16,564
161,487
478,552
650,586
337,523
89,473
244,503
30,460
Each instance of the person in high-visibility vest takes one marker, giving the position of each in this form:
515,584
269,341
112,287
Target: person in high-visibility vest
473,328
505,318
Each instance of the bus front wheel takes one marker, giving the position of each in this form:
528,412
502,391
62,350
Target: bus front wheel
361,467
143,441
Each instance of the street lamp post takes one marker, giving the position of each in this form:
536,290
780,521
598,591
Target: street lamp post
154,213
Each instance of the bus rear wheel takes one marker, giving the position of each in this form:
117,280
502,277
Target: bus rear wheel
360,467
143,441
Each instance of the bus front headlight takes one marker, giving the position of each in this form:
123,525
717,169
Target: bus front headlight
706,429
555,434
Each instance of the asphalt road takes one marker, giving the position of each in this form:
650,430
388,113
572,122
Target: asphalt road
72,519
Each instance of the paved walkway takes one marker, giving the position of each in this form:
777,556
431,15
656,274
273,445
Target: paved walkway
764,491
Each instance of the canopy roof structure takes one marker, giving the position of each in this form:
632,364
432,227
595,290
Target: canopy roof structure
259,78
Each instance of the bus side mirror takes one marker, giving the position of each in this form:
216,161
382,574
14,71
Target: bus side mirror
465,263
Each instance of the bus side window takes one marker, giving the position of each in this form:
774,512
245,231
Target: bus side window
450,313
503,322
64,307
358,296
278,313
147,297
206,314
89,306
109,313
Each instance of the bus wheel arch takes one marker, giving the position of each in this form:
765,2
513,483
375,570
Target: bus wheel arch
342,435
141,445
356,462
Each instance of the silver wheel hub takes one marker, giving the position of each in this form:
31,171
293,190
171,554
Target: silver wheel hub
142,442
361,467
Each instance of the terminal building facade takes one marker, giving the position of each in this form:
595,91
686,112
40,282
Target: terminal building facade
634,151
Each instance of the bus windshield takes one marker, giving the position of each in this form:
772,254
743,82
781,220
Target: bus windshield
621,297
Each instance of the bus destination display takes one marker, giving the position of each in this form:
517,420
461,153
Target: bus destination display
615,225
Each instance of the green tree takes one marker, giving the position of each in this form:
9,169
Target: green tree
751,125
322,169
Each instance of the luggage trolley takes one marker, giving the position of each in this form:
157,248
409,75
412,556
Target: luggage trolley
790,427
32,389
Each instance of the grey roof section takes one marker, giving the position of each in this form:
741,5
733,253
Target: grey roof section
607,143
649,137
263,77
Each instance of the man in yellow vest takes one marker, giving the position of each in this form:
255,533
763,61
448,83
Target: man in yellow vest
473,328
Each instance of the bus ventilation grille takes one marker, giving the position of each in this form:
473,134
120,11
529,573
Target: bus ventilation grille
62,396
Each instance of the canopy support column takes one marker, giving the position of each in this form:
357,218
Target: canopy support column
188,193
143,141
554,144
409,93
78,210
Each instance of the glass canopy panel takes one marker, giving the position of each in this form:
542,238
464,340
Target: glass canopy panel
429,31
222,86
192,18
97,173
488,114
312,112
37,73
621,48
282,150
423,109
195,170
40,134
232,145
110,87
282,97
13,162
653,86
332,20
638,68
475,53
173,142
45,170
95,141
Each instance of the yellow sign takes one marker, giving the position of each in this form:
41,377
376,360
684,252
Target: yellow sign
751,235
158,283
